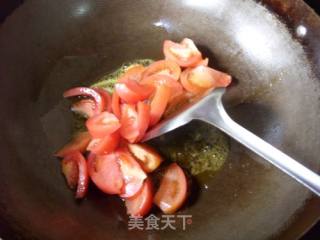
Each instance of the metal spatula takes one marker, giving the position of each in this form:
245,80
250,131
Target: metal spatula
210,109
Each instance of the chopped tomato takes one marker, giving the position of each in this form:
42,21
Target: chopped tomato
201,78
185,54
104,145
107,98
79,143
203,62
103,124
160,79
115,104
164,67
141,203
177,102
84,107
132,73
131,91
74,167
146,155
100,102
172,191
104,171
132,173
159,103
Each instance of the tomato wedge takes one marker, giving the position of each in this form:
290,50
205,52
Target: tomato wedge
100,102
74,168
115,105
146,155
141,204
79,143
160,79
185,54
104,145
172,191
84,107
130,91
159,103
103,124
164,67
104,171
201,78
132,173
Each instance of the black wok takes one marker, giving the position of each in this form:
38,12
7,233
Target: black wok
271,47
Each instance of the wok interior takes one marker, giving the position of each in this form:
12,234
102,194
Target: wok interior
48,47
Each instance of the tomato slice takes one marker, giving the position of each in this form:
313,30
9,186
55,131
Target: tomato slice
104,145
133,73
115,104
100,102
103,124
201,78
172,191
84,107
146,155
104,171
160,79
203,62
132,173
79,143
159,103
185,54
141,204
131,91
74,167
164,67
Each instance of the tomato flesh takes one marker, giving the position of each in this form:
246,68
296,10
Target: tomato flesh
104,145
103,124
115,105
132,92
79,143
104,171
172,191
185,54
146,155
164,67
141,204
132,173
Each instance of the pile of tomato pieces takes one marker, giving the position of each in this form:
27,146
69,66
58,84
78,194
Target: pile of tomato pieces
110,152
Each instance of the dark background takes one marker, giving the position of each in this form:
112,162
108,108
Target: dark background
7,6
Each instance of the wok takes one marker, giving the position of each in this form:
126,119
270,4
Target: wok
270,47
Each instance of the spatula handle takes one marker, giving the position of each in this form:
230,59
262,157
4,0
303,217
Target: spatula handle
220,119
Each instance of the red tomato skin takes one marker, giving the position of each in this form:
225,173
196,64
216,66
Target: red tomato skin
115,105
159,103
87,92
141,204
104,171
172,192
143,119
